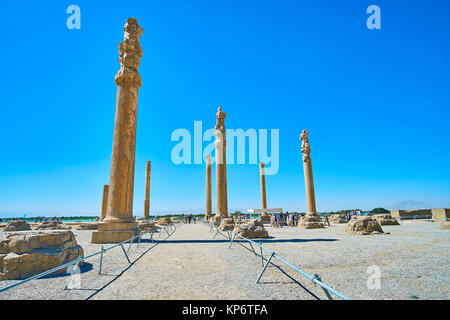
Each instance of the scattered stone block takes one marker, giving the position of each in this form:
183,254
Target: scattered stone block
88,226
147,226
17,225
27,253
253,228
386,220
52,225
164,221
227,223
338,218
363,226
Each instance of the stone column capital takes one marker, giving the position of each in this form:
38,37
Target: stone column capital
130,53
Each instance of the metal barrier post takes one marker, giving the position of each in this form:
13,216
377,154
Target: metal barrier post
217,231
231,240
316,276
125,253
72,272
101,261
129,247
262,256
265,266
251,245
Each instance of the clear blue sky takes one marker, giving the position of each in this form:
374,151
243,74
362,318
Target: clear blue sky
376,102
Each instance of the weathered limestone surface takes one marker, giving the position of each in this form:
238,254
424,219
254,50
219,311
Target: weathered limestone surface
227,223
119,224
440,215
147,226
88,226
311,220
17,225
24,254
386,220
147,190
221,166
253,228
164,221
338,218
208,214
363,226
52,225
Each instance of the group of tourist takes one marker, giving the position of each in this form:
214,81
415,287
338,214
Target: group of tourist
291,219
350,216
189,217
40,219
285,219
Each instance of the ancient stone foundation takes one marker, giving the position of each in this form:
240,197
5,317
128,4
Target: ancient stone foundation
253,228
310,221
115,232
27,253
17,225
363,226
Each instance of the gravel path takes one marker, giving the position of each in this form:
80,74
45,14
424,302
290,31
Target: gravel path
413,261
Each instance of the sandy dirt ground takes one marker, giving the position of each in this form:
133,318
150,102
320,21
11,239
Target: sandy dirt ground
413,261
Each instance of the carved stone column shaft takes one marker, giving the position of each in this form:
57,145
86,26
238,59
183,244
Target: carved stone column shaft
221,166
104,201
147,190
208,188
119,223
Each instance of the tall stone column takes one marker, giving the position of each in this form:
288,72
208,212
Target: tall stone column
221,167
104,201
119,223
311,219
147,191
262,175
208,214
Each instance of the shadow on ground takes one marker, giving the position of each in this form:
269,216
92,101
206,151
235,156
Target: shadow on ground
243,241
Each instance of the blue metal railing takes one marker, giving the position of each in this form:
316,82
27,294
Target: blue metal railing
316,279
170,229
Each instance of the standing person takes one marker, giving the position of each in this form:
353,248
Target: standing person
325,215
